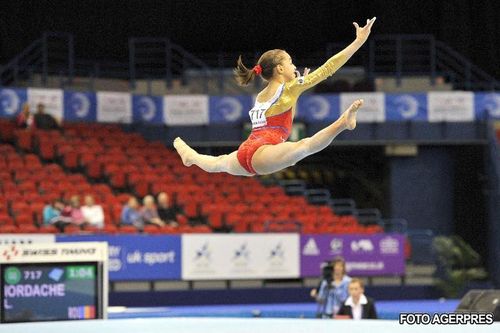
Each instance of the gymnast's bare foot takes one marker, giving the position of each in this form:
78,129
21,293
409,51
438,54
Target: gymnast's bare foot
185,152
350,114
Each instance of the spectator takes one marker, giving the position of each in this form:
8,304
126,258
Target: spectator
52,211
92,213
57,214
333,289
44,120
131,214
150,213
357,305
166,212
25,118
72,213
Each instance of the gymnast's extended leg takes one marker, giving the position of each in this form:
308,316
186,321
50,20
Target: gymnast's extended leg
271,158
223,163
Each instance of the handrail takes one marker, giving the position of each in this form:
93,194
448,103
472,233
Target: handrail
160,58
401,55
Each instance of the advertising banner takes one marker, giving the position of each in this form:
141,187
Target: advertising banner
114,107
11,101
51,98
138,257
450,106
147,109
365,255
242,256
185,110
80,106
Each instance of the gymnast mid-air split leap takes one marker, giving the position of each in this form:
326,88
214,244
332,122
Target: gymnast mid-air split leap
265,150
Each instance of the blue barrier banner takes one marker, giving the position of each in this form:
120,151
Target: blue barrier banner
449,106
229,109
147,109
80,106
11,101
487,105
138,257
318,108
401,107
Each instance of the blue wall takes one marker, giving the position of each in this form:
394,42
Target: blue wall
421,189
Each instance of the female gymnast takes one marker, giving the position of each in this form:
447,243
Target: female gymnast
265,151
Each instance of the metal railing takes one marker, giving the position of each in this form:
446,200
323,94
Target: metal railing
409,55
161,59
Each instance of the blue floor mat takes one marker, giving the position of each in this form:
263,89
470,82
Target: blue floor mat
385,310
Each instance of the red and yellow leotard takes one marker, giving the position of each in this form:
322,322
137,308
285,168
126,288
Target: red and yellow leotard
272,120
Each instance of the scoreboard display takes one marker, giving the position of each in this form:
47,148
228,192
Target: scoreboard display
65,287
62,291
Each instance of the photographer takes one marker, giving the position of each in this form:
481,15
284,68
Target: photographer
333,288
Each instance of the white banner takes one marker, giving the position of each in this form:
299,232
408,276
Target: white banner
11,239
114,107
450,106
186,110
243,256
54,252
373,109
51,98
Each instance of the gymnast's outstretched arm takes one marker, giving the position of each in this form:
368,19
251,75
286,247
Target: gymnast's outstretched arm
298,85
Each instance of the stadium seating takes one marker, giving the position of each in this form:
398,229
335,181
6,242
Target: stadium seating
104,160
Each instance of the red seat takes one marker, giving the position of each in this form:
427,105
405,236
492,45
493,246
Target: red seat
72,229
24,139
128,229
8,229
110,229
48,229
27,229
152,229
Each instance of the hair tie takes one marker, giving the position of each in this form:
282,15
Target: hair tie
257,69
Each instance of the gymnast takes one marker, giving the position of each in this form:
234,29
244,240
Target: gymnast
266,151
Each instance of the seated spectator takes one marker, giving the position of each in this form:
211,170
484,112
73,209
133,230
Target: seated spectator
166,212
76,211
150,213
131,214
25,118
357,305
44,120
52,211
92,213
57,214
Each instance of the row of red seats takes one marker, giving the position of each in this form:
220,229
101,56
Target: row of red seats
128,162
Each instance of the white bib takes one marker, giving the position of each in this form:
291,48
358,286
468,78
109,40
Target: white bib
258,112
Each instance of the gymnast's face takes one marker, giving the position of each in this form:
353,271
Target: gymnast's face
286,67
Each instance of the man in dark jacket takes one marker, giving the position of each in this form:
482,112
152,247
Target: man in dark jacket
357,305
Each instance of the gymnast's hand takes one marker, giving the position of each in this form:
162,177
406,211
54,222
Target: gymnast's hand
363,33
301,78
